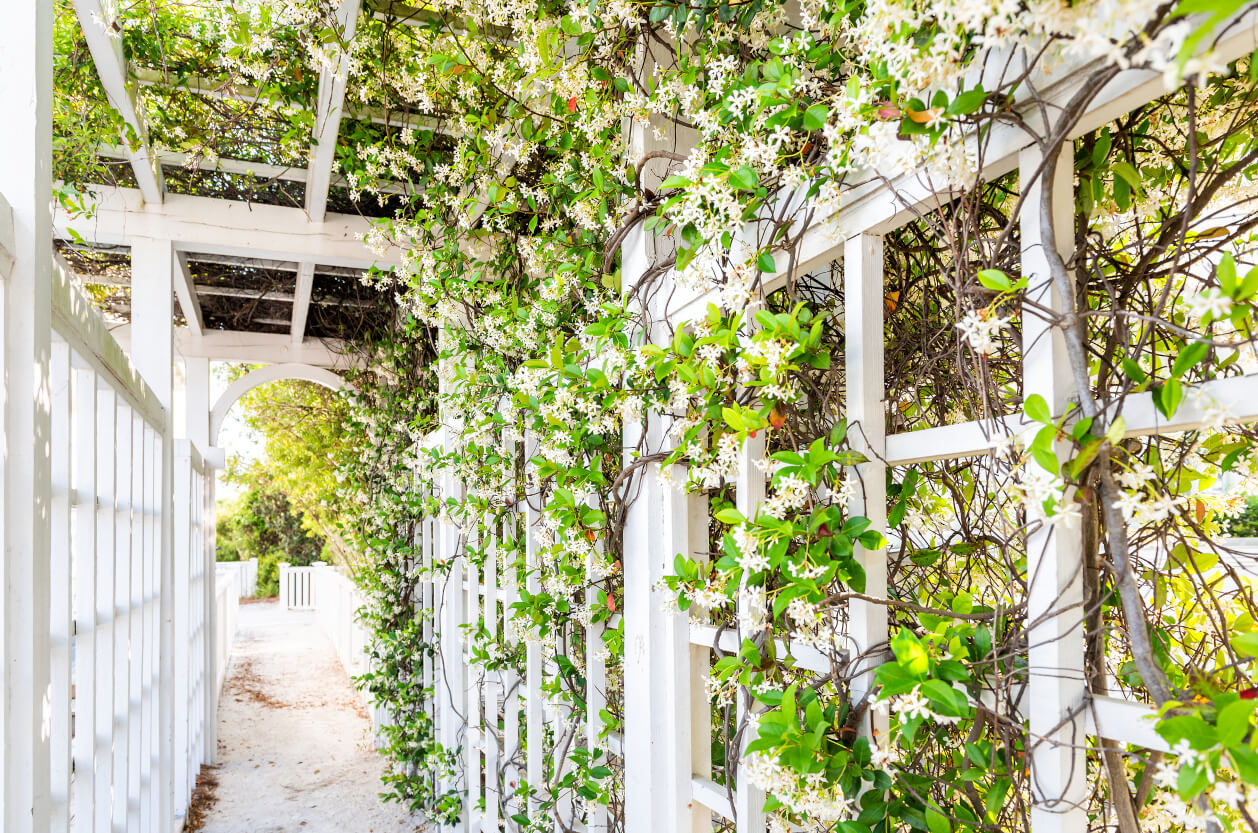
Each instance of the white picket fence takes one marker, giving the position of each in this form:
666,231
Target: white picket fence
132,669
665,751
297,586
336,602
243,575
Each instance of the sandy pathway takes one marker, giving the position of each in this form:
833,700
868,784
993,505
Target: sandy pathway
294,741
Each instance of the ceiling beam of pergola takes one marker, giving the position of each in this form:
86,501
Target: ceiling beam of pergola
240,167
328,108
301,302
226,90
111,68
187,294
225,227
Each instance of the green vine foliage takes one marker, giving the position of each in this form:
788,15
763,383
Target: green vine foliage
612,285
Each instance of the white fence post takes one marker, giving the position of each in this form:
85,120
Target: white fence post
1057,679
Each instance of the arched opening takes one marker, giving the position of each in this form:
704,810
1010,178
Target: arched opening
262,375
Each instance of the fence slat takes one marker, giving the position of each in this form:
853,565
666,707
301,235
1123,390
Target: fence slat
61,625
85,450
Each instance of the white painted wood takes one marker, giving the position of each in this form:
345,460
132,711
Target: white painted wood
263,375
97,19
240,167
596,818
328,108
700,716
534,711
471,693
8,244
863,357
1056,673
749,815
225,90
78,322
301,299
106,570
254,348
493,793
227,227
188,296
712,796
84,580
61,584
121,529
25,181
1124,721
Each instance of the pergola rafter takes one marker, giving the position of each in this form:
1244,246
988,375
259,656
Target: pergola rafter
111,68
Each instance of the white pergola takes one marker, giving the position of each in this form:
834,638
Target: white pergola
224,230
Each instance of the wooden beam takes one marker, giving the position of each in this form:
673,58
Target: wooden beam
188,301
241,167
301,305
226,90
328,108
111,68
227,227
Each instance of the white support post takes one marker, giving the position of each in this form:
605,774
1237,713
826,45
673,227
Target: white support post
153,269
25,320
749,815
493,794
197,402
1057,677
863,346
301,301
328,113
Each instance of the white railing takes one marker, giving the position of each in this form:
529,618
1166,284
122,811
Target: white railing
194,588
226,613
337,602
243,575
297,586
130,718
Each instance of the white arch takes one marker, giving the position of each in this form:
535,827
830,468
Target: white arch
262,375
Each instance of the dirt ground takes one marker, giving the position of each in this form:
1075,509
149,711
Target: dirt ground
293,738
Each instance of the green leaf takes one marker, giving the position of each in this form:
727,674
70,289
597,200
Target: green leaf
744,178
766,264
995,280
1167,396
815,117
1246,644
1129,174
1037,409
1233,721
937,822
1189,357
967,102
910,653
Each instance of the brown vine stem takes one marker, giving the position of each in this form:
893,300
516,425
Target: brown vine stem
1072,326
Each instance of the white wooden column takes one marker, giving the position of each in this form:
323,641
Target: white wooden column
863,352
197,403
749,814
1056,677
153,268
26,183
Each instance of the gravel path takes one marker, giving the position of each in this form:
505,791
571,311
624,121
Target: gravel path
293,738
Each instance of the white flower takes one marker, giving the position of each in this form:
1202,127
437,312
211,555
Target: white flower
980,329
1227,792
913,705
1211,302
